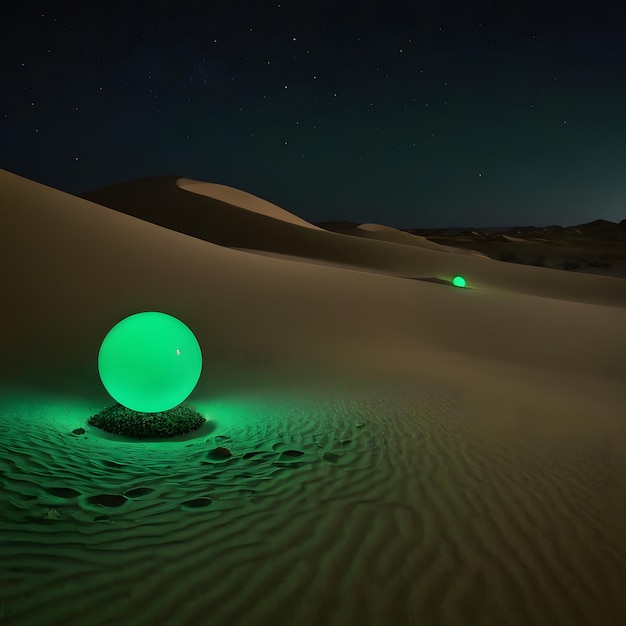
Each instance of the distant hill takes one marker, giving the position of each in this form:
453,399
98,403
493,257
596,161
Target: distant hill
601,230
597,247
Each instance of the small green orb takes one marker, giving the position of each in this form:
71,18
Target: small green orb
459,281
150,362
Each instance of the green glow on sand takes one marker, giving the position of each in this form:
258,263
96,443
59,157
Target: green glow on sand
150,362
459,281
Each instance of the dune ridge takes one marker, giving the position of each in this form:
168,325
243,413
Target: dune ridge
241,199
162,201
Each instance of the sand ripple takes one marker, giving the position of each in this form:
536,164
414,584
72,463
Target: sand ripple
378,508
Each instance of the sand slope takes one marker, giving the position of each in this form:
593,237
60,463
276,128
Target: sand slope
393,235
404,452
241,199
162,201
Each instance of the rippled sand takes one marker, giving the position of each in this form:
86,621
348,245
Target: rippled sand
376,507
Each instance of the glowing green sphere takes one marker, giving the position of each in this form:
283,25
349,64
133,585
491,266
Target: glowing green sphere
150,362
459,281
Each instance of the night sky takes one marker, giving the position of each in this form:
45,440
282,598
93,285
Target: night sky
413,114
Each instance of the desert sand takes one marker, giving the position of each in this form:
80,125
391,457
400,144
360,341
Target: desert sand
596,247
403,451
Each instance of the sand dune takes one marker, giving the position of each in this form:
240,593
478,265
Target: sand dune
241,199
594,248
161,201
393,235
404,452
